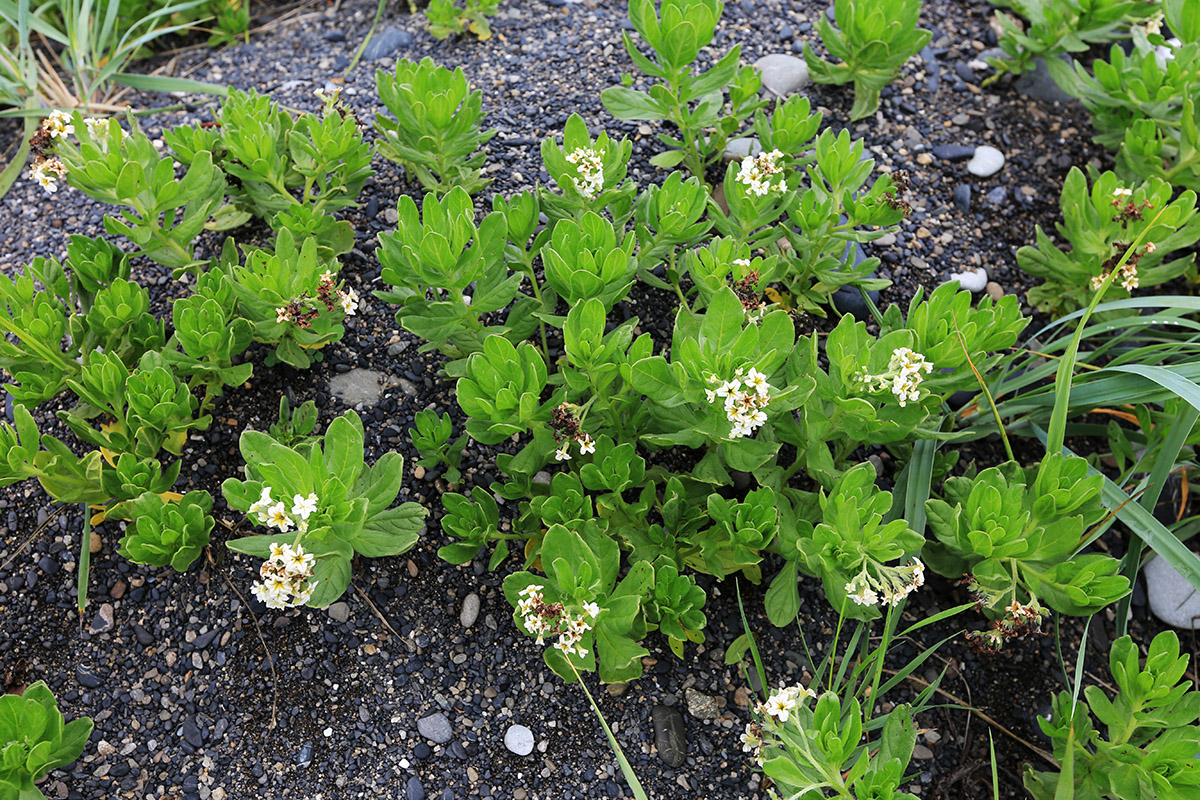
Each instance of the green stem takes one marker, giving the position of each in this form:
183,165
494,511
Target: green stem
85,562
626,768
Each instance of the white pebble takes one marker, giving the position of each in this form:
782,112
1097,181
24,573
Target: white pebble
987,161
973,280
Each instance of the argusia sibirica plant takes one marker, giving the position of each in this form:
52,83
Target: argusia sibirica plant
1100,223
323,504
82,325
34,739
873,39
695,104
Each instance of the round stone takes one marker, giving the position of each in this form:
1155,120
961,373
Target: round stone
470,610
986,162
519,739
973,280
1172,597
782,74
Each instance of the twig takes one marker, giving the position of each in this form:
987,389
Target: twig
983,717
33,536
410,644
257,627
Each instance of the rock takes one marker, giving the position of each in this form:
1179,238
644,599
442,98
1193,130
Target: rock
962,197
519,739
994,290
357,386
1172,598
144,637
414,790
986,162
386,43
191,733
617,689
782,74
953,152
436,728
470,610
1037,83
334,36
48,565
960,119
86,679
670,736
973,280
997,196
103,619
94,542
741,147
922,752
338,612
924,159
304,757
741,697
700,705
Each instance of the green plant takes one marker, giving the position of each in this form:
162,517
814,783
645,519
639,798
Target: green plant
872,40
1141,101
1100,224
447,17
325,503
432,258
34,739
1061,26
431,436
435,134
1017,534
590,174
695,104
168,534
1149,737
850,549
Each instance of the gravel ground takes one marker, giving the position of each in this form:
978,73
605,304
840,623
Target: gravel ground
198,692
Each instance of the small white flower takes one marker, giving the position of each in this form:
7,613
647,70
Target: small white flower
563,453
261,508
1122,191
349,301
756,173
281,315
277,517
742,262
58,124
592,609
587,445
589,163
303,507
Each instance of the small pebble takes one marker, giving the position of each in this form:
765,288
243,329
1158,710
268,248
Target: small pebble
986,162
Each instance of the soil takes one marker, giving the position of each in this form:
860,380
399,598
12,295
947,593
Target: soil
199,692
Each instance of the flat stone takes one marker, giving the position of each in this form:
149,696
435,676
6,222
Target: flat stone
385,43
670,735
191,733
414,790
782,74
994,290
103,619
470,610
436,728
997,196
953,152
358,386
1172,598
519,739
1037,83
700,705
304,757
742,147
986,162
973,280
338,612
86,679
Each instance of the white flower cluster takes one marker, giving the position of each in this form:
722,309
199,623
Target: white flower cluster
757,171
285,577
589,163
551,619
903,376
59,125
276,515
587,445
47,172
1127,276
744,399
784,701
888,587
